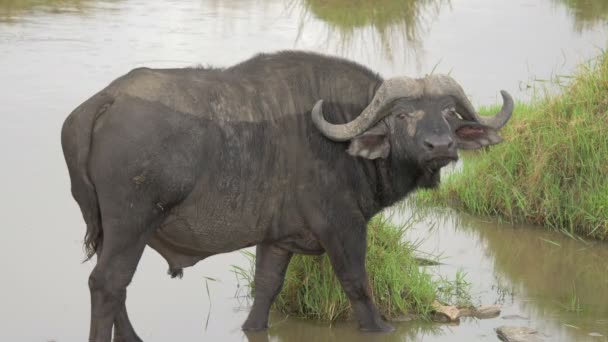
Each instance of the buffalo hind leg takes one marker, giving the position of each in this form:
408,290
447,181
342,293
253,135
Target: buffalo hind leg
123,330
270,265
346,250
108,282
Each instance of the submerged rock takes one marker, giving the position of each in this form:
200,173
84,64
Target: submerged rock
482,312
426,262
405,317
518,334
515,317
466,312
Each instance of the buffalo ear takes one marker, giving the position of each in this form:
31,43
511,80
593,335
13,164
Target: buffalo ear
472,136
371,144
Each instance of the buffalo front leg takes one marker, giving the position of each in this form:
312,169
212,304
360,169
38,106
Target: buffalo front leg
270,265
346,247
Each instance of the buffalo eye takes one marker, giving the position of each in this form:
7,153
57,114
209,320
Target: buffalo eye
408,114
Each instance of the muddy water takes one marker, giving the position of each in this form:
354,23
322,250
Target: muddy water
533,273
54,54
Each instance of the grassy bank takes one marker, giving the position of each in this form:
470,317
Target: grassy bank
400,286
552,170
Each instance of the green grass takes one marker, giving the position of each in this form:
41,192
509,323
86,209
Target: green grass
552,169
573,303
399,285
456,292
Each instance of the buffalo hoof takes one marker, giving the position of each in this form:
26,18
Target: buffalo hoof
380,327
254,327
124,339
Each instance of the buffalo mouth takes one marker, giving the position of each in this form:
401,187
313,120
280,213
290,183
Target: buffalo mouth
436,163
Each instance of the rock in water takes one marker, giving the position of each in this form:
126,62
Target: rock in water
482,312
445,313
518,334
488,311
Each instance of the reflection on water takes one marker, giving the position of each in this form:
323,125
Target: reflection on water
51,62
557,284
532,273
561,277
390,23
587,13
287,330
380,14
12,10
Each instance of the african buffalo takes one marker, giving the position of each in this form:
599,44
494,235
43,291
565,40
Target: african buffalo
293,152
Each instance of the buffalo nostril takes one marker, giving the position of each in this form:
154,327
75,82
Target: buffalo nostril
438,143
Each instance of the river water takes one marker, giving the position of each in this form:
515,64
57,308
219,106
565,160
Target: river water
56,53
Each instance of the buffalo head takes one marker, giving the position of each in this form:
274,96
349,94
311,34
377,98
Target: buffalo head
417,120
